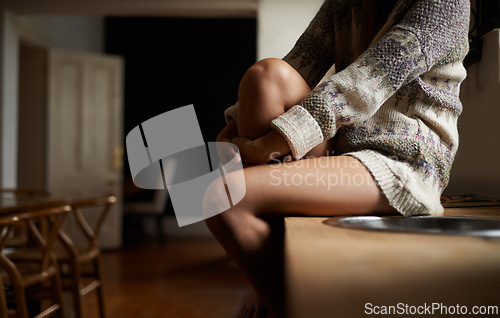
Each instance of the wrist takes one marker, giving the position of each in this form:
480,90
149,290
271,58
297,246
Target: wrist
272,145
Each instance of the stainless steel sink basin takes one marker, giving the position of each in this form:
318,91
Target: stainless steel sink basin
447,225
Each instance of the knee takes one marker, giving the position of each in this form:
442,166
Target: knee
270,70
273,83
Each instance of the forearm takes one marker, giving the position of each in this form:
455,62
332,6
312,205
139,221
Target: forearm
259,151
264,149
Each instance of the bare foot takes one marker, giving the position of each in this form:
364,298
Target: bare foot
253,307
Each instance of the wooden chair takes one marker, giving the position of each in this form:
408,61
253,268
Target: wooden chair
32,272
6,227
19,233
72,258
3,301
154,208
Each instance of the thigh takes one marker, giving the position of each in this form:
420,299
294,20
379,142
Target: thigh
325,186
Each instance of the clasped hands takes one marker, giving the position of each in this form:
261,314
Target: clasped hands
257,151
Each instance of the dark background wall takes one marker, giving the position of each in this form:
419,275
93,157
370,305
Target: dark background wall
488,15
173,62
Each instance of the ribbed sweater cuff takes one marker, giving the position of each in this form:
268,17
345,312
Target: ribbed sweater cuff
300,130
231,113
393,189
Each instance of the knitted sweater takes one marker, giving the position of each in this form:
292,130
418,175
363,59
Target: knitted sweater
392,104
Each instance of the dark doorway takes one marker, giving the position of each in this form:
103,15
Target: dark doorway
172,62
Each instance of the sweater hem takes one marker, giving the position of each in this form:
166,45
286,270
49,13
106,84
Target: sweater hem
392,187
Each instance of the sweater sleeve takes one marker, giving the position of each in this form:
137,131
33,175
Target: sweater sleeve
428,34
314,52
312,55
231,113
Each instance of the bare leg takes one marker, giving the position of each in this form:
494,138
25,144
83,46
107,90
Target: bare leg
267,90
250,230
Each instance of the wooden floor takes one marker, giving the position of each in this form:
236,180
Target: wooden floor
181,278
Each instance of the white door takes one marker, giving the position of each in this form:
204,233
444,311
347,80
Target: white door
85,131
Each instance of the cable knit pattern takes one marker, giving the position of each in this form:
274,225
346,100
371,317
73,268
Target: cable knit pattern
393,104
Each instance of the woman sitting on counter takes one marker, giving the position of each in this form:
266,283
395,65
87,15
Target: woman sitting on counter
378,136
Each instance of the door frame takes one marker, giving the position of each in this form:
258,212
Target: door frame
32,112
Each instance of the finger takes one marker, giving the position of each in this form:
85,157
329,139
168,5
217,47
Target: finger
226,149
229,153
241,142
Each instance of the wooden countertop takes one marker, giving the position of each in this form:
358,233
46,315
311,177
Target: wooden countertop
334,272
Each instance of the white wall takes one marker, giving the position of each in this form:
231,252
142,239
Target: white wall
69,32
280,23
477,165
9,54
163,8
81,33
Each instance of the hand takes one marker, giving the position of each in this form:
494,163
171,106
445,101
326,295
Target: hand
227,134
261,150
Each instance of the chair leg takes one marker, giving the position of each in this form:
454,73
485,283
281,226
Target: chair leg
76,278
57,291
20,294
100,289
3,300
20,297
